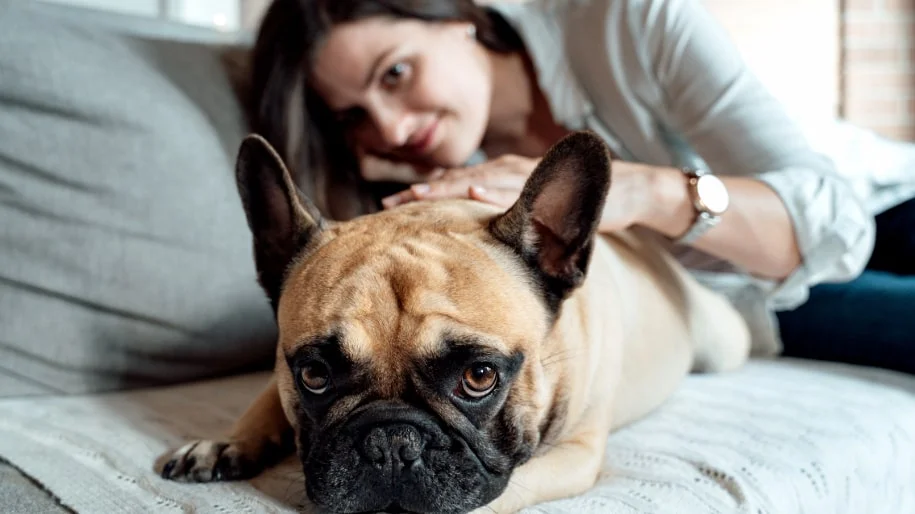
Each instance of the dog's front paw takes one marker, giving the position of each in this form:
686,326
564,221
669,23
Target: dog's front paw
211,461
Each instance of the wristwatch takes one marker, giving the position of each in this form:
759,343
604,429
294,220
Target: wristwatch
710,199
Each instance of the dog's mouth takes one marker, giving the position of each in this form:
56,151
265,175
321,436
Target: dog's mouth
393,508
404,463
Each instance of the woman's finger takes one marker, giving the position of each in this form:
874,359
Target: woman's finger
436,190
439,189
375,169
504,198
491,175
502,178
399,198
455,185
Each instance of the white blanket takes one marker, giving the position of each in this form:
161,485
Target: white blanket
776,437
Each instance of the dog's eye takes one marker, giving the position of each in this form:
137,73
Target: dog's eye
315,377
479,380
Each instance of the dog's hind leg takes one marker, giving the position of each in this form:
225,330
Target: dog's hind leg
720,333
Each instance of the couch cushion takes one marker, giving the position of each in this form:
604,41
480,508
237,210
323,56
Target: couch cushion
19,495
782,437
125,258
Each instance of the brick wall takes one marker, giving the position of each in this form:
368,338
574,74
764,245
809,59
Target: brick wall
878,72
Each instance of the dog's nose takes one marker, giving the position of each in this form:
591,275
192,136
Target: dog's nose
398,442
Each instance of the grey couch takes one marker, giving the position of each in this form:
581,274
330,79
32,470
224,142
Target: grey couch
124,255
125,259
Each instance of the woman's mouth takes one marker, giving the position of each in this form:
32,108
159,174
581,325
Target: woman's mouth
421,141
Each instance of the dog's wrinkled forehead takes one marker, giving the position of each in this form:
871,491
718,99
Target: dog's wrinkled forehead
390,286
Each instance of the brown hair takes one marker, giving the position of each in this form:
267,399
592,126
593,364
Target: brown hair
283,109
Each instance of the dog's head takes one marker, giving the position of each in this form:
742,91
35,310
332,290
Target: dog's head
409,352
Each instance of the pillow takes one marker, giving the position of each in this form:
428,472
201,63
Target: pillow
125,257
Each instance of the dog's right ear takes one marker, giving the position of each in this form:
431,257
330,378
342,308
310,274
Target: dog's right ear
553,223
282,220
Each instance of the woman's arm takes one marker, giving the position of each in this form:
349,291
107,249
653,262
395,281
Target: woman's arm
791,217
755,233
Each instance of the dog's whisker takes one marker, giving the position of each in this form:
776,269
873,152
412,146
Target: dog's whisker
557,361
562,355
520,485
293,487
289,494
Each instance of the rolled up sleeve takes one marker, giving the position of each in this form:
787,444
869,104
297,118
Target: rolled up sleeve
834,232
708,94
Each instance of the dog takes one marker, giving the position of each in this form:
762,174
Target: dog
450,356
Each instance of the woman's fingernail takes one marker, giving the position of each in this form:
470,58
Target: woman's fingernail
389,201
420,189
478,190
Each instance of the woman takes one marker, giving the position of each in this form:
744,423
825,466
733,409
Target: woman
363,96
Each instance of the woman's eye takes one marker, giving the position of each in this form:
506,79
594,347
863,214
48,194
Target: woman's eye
479,380
395,74
315,377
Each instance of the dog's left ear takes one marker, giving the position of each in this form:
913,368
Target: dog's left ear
553,222
282,220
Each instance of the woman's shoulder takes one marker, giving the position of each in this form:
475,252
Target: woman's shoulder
610,22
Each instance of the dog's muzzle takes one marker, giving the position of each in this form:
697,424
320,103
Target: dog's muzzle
395,458
397,445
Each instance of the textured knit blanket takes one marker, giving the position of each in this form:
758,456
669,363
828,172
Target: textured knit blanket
776,437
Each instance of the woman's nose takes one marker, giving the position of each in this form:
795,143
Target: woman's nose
393,126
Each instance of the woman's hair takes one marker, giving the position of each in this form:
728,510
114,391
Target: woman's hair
282,108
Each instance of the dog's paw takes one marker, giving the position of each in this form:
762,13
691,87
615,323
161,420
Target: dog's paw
211,461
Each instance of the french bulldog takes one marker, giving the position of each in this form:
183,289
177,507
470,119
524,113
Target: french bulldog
449,356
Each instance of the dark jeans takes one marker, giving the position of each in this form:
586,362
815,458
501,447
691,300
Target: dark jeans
870,320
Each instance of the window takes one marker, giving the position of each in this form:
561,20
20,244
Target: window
224,15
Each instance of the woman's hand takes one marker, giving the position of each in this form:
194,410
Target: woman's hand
633,197
378,169
499,182
754,234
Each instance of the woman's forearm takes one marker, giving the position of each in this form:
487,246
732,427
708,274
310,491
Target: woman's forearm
755,233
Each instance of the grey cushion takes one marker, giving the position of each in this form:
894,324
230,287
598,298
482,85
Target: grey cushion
125,259
21,495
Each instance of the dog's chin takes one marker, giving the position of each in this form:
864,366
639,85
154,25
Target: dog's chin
400,462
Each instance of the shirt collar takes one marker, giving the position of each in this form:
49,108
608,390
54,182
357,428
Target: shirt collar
539,24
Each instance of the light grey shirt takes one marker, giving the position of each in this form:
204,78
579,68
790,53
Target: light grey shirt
662,82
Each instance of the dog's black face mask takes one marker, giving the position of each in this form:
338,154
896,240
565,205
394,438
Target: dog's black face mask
427,451
390,459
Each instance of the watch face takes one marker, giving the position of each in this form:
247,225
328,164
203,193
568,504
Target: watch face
712,193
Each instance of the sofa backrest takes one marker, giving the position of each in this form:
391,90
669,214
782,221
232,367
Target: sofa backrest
125,257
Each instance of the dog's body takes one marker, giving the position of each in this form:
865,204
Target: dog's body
463,360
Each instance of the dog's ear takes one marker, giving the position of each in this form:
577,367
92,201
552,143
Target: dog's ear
282,220
553,222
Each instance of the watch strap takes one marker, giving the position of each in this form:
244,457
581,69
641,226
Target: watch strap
704,220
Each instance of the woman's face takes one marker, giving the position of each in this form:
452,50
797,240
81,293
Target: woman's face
406,89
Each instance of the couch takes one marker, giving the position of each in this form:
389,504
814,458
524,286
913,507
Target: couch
131,321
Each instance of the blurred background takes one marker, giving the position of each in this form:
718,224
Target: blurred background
853,59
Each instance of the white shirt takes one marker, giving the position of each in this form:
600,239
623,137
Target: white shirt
662,82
